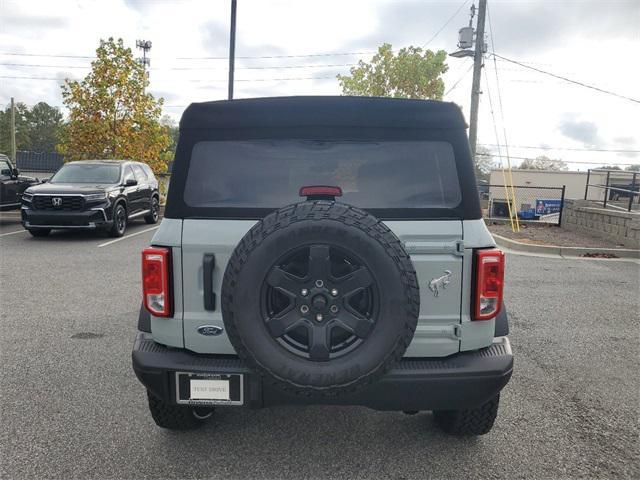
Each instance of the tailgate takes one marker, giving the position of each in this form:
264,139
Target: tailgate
433,246
436,250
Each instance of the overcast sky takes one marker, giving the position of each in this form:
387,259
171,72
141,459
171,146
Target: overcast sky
594,42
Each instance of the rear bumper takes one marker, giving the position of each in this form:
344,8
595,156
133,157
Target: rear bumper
83,219
464,380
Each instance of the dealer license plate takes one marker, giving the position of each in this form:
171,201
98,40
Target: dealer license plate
209,389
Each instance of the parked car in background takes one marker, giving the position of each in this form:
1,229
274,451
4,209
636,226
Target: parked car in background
92,194
12,184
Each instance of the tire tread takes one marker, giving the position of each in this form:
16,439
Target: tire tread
474,421
348,215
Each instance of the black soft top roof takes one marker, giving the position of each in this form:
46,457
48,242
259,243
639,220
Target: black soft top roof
323,111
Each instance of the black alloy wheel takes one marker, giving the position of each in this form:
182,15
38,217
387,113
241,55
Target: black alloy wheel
155,212
119,221
320,302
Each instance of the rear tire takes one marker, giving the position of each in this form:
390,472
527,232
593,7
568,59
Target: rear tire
119,221
471,422
39,232
175,417
155,212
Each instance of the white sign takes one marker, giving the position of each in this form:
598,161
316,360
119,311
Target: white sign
209,389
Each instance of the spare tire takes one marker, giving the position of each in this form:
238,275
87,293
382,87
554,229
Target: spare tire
320,298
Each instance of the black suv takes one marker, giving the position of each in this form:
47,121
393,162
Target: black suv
12,184
92,194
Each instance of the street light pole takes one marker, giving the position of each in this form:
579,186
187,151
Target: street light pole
477,73
232,46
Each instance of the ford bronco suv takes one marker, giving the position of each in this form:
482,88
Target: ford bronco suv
323,250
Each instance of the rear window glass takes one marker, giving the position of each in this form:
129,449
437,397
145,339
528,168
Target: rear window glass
371,174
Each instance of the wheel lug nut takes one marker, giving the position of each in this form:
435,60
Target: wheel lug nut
304,292
334,292
304,309
334,309
319,283
319,317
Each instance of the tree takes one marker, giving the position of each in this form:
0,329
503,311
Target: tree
411,73
110,114
44,123
174,132
484,163
633,168
23,139
543,163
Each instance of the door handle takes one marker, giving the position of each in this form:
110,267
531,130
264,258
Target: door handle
208,265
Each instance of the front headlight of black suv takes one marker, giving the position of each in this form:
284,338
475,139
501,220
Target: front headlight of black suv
95,196
27,197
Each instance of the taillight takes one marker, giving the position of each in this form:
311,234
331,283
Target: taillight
156,270
320,190
489,269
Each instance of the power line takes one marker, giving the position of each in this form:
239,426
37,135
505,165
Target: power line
43,66
307,55
15,54
335,65
495,68
196,80
446,23
493,118
567,148
27,78
273,67
576,82
334,54
458,81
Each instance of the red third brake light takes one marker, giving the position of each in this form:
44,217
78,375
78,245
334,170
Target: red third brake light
489,269
320,190
156,262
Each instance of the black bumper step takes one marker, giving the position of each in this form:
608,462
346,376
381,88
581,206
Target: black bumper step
464,380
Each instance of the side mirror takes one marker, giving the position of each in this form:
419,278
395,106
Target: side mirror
15,172
130,182
44,180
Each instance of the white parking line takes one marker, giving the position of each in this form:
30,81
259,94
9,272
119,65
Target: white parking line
127,236
11,233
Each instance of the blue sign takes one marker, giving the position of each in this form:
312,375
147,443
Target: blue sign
545,207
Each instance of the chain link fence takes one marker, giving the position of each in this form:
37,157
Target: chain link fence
532,204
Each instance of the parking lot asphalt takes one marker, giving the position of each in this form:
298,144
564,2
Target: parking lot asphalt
71,406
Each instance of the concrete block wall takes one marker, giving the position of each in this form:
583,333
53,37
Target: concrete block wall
617,226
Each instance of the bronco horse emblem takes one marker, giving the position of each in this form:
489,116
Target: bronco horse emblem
440,283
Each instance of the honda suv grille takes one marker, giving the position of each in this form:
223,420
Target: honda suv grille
53,202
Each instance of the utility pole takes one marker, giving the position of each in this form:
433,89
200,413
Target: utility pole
232,46
477,73
13,132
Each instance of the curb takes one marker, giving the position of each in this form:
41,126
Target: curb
563,251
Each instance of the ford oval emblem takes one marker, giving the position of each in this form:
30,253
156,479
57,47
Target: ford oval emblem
210,330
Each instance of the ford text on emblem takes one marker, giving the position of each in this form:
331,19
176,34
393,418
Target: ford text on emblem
209,330
56,201
440,283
